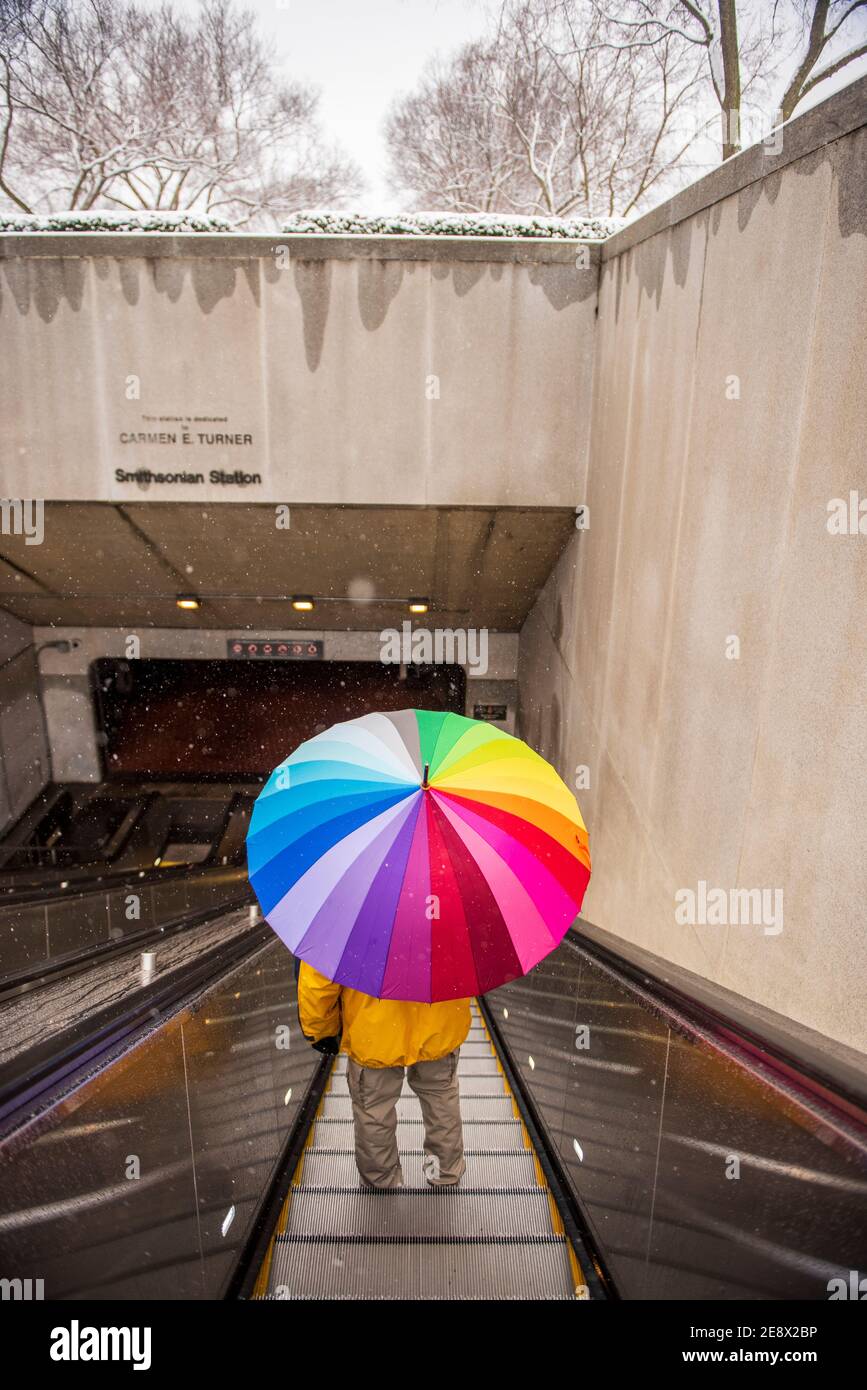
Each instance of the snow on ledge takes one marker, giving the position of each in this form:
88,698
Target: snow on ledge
325,223
318,222
103,220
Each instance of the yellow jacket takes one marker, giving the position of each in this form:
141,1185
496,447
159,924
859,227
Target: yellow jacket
379,1032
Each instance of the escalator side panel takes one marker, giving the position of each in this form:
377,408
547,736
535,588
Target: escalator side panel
142,1181
697,1177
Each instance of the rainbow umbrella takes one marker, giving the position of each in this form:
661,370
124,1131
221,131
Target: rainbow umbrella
418,855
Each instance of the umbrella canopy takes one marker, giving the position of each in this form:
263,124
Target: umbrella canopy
418,855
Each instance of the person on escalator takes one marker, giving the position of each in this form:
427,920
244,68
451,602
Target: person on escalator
386,1039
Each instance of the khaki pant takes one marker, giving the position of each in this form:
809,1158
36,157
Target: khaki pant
374,1092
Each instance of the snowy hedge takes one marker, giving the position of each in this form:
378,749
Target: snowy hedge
452,224
325,224
105,221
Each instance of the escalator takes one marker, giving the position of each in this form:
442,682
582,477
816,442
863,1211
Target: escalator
75,832
191,1145
498,1234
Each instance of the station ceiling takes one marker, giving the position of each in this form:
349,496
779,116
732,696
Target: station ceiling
118,565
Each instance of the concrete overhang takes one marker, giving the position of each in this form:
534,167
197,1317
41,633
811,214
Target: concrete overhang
108,565
363,370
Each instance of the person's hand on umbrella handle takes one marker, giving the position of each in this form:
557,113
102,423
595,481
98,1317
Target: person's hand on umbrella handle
330,1046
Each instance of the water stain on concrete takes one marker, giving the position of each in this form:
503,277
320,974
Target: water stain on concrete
649,259
564,285
619,273
15,274
313,283
850,170
46,284
251,273
680,245
213,281
378,283
466,274
557,629
772,185
554,731
128,275
747,200
168,276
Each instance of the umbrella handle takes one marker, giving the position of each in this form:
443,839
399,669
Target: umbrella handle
426,771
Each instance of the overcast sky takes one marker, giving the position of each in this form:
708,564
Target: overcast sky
360,54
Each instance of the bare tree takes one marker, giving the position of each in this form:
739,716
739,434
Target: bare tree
106,105
449,145
825,50
546,118
744,39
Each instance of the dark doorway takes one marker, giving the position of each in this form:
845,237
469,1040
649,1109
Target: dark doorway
236,720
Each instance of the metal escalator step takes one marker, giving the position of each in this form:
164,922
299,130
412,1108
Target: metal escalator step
491,1083
490,1134
306,1269
480,1055
408,1213
324,1168
481,1065
337,1107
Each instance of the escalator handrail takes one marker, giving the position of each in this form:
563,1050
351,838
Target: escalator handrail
812,1079
600,1283
86,884
263,1225
58,967
96,1040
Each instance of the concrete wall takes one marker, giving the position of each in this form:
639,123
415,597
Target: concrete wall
729,409
358,370
68,697
24,755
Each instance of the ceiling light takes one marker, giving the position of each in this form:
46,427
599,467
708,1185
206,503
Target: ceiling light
418,605
302,603
187,601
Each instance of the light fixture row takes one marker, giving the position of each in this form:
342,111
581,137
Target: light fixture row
302,603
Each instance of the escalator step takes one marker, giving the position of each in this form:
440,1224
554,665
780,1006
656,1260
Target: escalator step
490,1134
482,1064
326,1168
499,1107
424,1270
408,1213
490,1083
476,1046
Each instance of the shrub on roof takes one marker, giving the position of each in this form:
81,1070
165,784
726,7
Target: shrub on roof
103,220
316,222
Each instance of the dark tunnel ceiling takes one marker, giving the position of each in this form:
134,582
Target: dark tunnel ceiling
113,565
